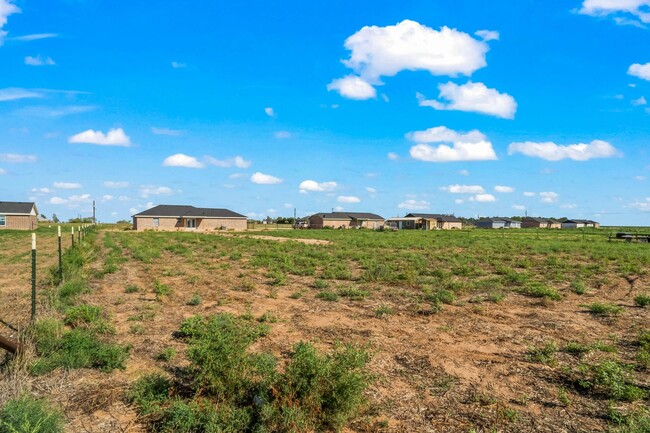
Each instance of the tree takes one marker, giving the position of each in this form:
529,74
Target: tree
55,218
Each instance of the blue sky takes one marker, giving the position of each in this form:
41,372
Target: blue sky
464,107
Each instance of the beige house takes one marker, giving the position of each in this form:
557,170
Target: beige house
18,215
426,221
347,220
188,218
542,223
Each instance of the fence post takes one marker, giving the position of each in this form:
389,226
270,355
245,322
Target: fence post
60,258
79,235
72,231
33,275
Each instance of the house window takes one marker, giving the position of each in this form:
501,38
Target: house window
190,223
156,222
3,220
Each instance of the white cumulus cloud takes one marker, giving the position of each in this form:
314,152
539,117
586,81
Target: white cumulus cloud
147,190
265,179
472,146
640,71
114,137
6,8
412,204
549,197
409,45
504,189
554,152
348,199
353,87
237,161
179,65
472,97
483,198
182,160
393,156
529,194
57,200
269,111
621,10
312,185
463,189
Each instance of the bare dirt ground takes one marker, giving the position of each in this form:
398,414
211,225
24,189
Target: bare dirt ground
459,370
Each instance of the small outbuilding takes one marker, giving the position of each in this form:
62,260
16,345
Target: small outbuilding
346,220
498,223
18,215
188,218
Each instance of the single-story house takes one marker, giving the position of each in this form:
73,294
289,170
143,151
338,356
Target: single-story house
346,220
18,215
542,223
425,221
180,218
578,224
498,223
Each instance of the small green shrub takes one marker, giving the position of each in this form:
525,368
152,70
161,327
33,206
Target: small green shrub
496,296
575,348
87,316
605,309
443,296
149,393
161,289
642,301
610,379
578,287
353,293
132,288
538,290
383,310
296,295
69,291
321,284
543,354
167,354
195,300
27,414
327,296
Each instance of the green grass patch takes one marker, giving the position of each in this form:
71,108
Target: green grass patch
27,414
605,309
327,296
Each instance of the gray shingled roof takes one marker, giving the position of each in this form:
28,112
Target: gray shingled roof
16,207
350,215
178,211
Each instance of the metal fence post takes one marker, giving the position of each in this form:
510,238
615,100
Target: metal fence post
60,258
33,275
72,231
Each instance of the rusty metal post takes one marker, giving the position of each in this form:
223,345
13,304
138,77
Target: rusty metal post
60,258
8,345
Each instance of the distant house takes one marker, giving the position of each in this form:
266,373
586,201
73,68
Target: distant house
498,223
188,218
425,221
346,220
18,215
542,223
578,224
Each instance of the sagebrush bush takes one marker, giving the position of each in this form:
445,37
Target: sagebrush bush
27,414
228,388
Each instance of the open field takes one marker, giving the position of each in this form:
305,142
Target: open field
469,331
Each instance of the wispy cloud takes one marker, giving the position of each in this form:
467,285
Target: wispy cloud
42,111
166,131
412,204
149,190
16,158
554,152
39,61
237,161
178,65
13,93
348,199
33,37
66,185
6,8
463,189
269,111
115,184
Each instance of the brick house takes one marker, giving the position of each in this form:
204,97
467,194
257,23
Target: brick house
188,218
346,220
18,215
542,223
